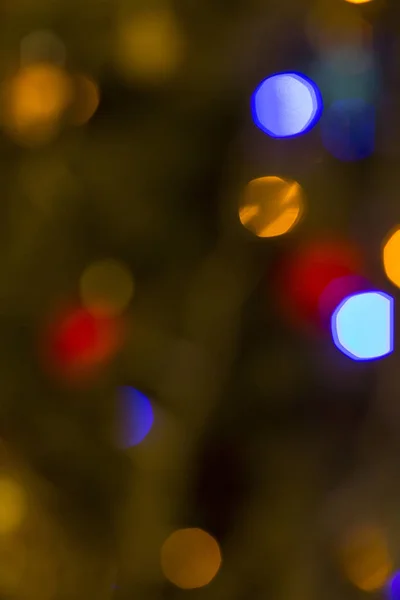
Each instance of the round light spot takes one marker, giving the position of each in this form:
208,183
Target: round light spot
135,416
149,46
42,46
391,257
286,105
12,505
86,99
365,558
348,129
34,102
362,325
190,558
106,287
271,206
393,587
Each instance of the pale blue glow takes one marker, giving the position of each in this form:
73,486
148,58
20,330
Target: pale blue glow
362,325
286,105
136,416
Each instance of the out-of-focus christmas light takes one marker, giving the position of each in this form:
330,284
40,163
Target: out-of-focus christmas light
391,257
149,46
190,558
393,587
78,343
135,416
42,46
13,505
358,1
34,101
286,105
271,206
336,291
86,99
306,272
362,326
348,129
365,558
106,287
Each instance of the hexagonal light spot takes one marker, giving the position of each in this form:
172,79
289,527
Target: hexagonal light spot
362,325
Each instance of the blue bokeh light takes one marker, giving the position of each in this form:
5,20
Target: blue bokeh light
362,325
286,105
136,416
393,587
348,129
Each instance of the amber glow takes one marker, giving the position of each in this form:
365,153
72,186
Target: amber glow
271,206
149,46
106,287
391,257
12,505
34,101
365,558
86,100
190,558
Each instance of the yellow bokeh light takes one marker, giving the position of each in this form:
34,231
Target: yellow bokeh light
365,558
391,257
86,100
358,1
271,206
34,101
12,505
106,287
149,46
190,558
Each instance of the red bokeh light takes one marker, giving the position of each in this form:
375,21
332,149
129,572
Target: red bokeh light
304,275
77,343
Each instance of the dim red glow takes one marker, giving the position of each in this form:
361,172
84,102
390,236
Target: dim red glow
78,342
307,272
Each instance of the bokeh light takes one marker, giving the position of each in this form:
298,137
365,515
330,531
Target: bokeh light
393,587
135,416
149,46
86,99
34,100
358,1
190,558
365,558
271,206
348,129
42,46
13,505
106,287
391,257
306,272
362,326
78,343
286,105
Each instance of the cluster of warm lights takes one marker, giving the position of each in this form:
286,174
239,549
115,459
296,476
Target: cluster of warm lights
42,96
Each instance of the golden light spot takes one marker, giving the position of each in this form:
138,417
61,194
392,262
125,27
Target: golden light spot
271,206
106,287
190,558
358,1
149,46
365,558
34,101
12,505
391,257
86,100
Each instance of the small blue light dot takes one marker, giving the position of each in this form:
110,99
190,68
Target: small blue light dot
286,105
136,416
362,325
